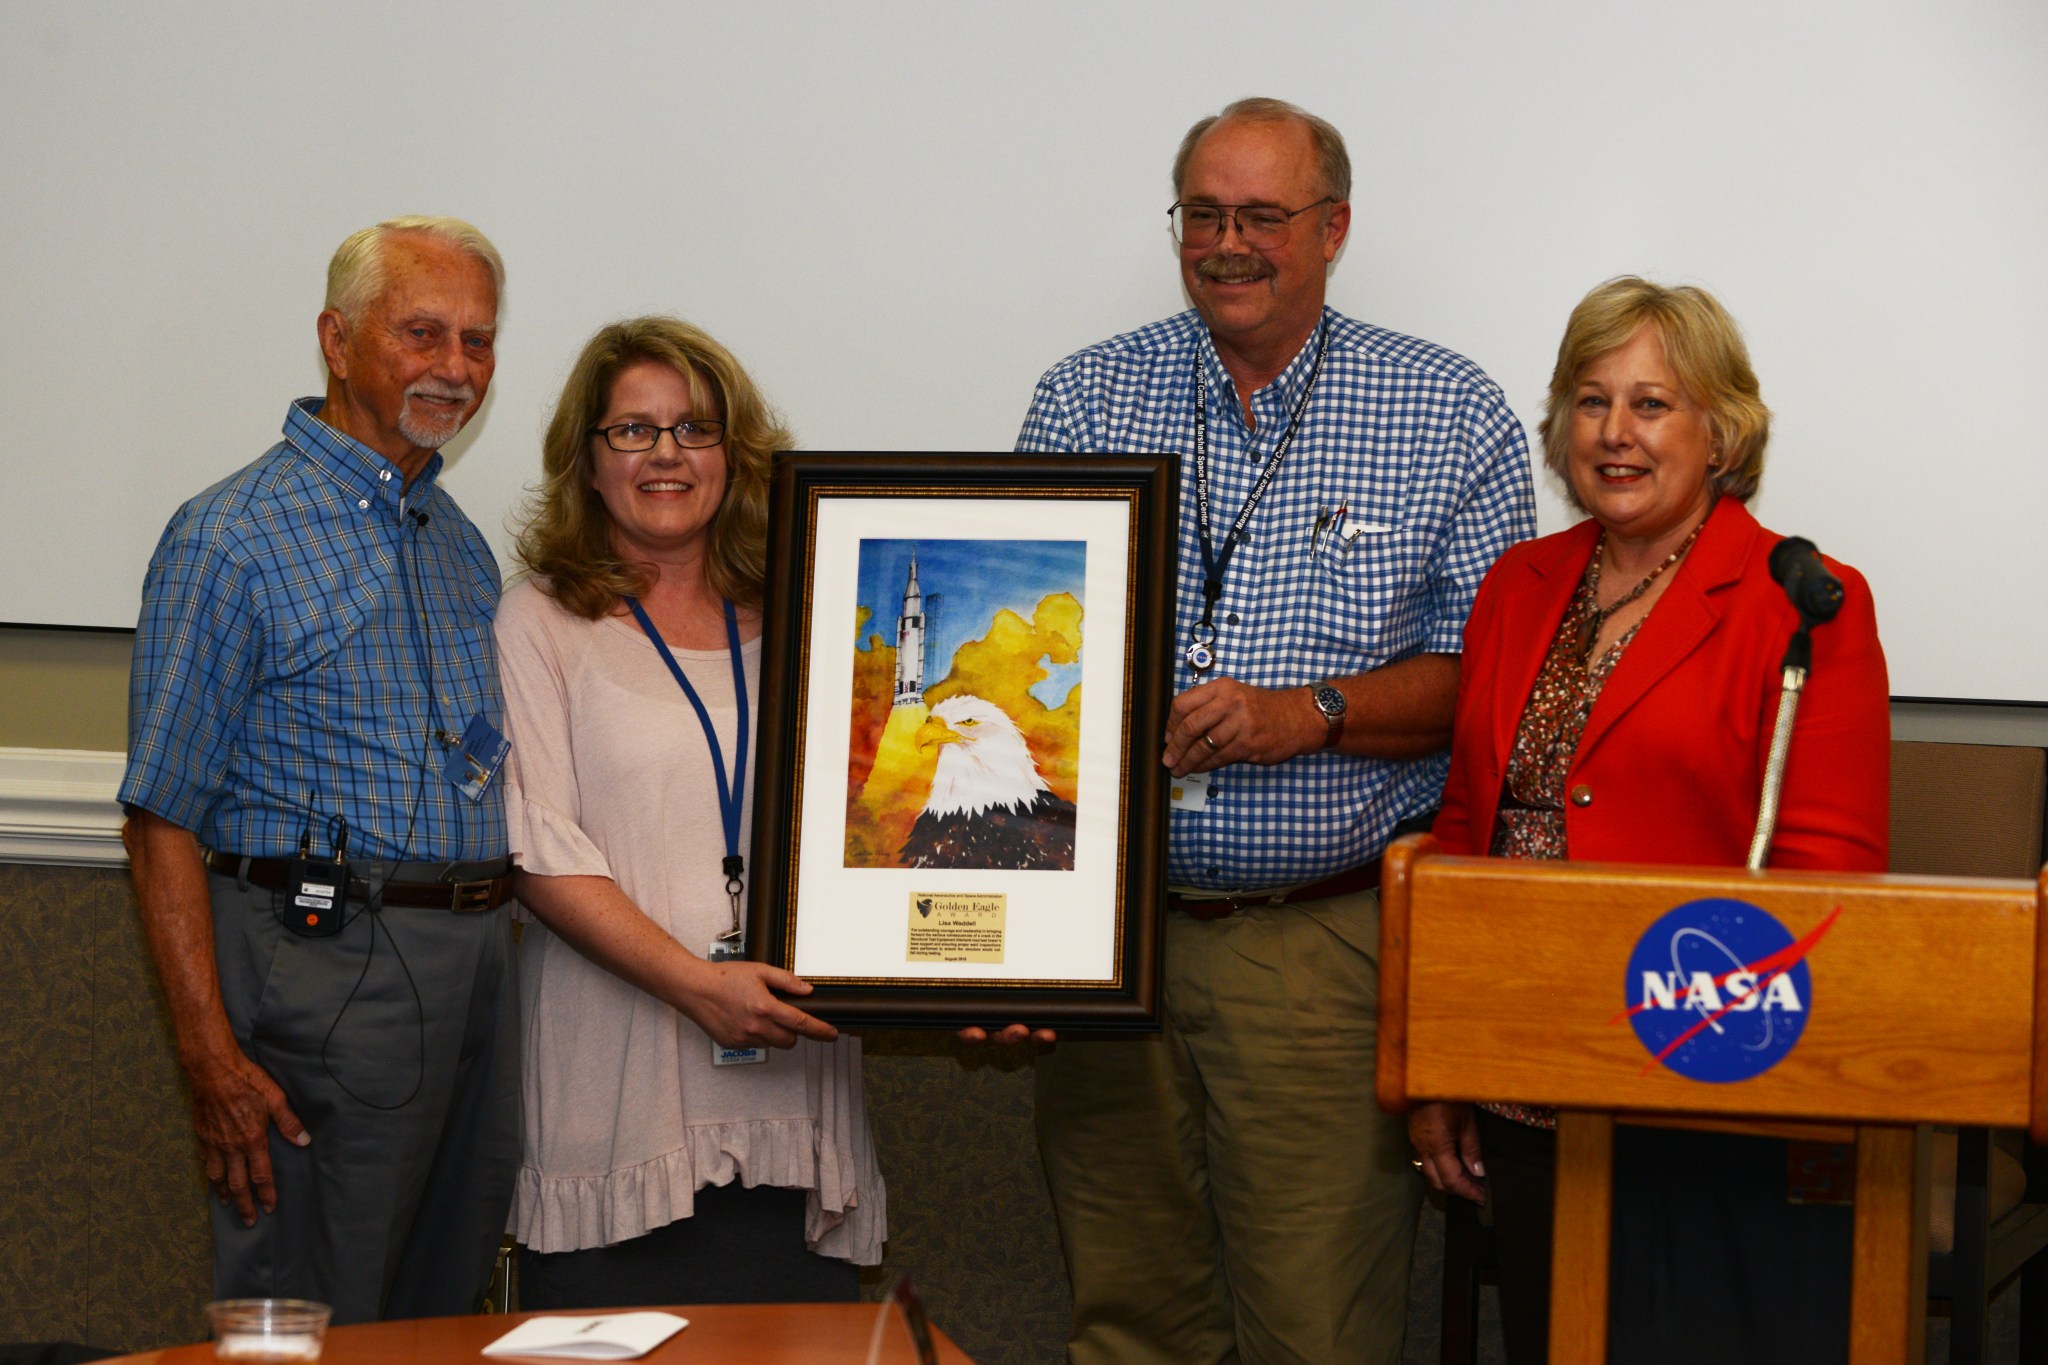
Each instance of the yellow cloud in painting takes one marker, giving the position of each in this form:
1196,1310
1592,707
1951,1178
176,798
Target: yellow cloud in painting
871,840
1003,666
888,780
874,683
879,817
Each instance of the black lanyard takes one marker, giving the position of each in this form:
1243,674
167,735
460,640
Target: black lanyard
1200,655
730,793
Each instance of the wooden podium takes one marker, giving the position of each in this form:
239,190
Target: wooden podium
1509,980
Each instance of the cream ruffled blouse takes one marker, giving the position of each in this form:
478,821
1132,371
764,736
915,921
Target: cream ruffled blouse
625,1116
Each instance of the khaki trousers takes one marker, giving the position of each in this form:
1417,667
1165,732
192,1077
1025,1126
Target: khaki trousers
1229,1190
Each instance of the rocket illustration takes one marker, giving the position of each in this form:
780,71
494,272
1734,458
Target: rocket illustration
910,643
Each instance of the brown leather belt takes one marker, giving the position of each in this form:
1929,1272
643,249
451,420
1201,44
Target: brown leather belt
462,897
1364,877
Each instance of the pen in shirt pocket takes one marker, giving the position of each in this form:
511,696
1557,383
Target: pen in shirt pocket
1325,518
1336,528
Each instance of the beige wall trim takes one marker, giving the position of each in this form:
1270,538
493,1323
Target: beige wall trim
58,806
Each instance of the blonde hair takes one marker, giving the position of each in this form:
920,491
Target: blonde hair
355,275
1331,158
1704,348
567,537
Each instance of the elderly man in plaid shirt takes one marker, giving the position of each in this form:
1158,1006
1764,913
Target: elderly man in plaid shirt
315,829
1229,1190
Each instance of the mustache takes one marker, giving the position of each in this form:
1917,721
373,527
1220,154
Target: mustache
427,388
1232,269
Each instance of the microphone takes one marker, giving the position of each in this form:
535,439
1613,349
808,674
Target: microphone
1815,593
420,519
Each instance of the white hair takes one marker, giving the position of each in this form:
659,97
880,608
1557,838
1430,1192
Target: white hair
356,274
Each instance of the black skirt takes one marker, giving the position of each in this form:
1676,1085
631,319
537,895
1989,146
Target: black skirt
1710,1262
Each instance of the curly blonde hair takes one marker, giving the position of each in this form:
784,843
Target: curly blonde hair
567,537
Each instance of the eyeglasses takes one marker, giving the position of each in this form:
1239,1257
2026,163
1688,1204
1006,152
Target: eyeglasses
1260,225
630,438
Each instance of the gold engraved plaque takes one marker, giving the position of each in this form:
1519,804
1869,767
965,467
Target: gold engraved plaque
946,927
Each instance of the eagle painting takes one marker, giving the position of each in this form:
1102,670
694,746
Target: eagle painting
989,808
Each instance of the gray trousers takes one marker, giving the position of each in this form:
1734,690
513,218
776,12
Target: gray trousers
396,1042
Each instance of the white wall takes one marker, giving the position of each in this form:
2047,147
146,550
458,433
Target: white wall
899,212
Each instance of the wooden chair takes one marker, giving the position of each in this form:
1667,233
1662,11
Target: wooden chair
1498,979
1977,810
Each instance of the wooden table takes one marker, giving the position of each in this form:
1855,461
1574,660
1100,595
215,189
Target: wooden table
718,1334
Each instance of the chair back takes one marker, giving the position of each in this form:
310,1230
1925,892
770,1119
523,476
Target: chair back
1968,810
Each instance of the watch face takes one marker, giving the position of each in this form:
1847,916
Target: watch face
1329,701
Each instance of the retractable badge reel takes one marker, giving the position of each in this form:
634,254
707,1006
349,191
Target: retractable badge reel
731,946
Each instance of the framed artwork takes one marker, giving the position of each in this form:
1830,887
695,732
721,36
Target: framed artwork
960,813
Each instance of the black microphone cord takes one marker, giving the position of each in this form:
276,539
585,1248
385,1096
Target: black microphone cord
423,655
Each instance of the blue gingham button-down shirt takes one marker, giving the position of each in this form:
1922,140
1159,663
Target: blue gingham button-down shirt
303,636
1409,461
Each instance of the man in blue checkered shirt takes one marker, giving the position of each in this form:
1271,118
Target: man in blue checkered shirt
315,830
1229,1190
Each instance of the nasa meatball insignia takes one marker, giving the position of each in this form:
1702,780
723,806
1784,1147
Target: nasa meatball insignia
1718,990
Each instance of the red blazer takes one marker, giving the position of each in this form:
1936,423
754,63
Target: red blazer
1671,765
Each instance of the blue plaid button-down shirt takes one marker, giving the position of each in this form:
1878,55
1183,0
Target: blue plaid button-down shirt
294,617
1408,478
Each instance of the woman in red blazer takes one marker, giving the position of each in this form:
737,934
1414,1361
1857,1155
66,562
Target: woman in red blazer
1671,763
1620,683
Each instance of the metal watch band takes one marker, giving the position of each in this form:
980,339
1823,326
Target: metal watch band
1329,699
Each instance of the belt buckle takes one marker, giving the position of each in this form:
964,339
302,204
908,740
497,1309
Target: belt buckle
467,898
1210,909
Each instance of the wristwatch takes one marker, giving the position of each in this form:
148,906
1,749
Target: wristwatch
1329,700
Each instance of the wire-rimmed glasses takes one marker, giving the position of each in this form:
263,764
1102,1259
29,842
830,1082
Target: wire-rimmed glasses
1259,225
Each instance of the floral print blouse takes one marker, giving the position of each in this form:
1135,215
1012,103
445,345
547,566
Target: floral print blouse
1530,823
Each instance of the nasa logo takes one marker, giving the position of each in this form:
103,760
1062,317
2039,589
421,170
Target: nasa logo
1718,990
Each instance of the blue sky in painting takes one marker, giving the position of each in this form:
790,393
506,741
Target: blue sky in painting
973,579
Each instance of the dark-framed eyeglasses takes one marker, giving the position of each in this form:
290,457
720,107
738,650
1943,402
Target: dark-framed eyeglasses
630,438
1260,225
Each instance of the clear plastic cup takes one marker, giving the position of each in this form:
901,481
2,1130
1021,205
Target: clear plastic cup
267,1331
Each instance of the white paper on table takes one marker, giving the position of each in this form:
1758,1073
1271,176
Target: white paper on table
604,1336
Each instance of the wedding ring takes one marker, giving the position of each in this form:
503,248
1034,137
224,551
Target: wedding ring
1210,740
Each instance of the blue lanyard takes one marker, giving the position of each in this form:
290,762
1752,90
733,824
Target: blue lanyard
730,792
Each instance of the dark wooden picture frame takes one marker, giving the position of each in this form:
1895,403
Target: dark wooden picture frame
1115,864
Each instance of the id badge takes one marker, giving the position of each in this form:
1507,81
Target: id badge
1188,793
731,950
474,761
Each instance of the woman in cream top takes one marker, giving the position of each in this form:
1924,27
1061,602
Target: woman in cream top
652,1172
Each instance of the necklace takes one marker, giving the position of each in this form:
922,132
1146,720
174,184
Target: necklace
1589,629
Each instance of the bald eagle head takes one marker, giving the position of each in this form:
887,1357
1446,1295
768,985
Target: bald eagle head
983,762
